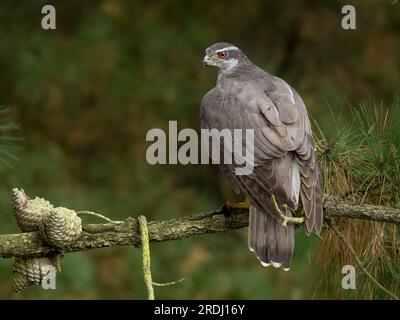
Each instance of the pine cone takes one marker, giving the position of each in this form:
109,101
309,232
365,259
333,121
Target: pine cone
36,269
19,279
60,227
19,282
28,272
28,212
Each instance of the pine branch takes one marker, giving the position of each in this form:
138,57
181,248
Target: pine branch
348,245
29,244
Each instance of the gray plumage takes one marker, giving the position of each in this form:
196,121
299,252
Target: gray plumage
247,97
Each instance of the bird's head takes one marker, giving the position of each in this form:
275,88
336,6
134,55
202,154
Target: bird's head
223,55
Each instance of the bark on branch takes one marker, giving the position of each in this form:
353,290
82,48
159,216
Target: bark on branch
128,233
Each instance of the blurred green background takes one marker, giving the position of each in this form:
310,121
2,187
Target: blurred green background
86,94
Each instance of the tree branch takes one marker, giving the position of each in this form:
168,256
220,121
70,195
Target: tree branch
128,233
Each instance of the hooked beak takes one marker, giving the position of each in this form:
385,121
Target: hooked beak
206,61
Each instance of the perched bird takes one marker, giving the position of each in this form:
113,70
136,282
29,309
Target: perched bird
285,168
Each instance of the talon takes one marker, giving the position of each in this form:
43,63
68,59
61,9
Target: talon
240,205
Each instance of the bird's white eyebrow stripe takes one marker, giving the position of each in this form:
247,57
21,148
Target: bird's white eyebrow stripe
227,48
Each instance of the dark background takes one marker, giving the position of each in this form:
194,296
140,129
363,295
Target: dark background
86,94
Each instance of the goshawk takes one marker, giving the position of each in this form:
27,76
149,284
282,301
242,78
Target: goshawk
285,168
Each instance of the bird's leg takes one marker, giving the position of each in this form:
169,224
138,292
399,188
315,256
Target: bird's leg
240,205
284,217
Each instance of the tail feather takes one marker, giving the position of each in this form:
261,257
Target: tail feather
271,242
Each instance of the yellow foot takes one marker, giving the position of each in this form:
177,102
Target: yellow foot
292,220
240,205
285,219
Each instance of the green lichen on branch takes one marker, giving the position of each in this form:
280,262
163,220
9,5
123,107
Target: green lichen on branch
144,236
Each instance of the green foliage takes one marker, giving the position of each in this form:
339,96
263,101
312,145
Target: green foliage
377,160
361,163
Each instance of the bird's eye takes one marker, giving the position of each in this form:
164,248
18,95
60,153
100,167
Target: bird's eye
222,55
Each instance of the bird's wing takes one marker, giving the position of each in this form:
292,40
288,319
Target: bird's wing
285,98
282,140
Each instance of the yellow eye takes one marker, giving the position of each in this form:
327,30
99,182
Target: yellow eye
222,55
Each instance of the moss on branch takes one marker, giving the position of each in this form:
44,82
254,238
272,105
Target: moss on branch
128,232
